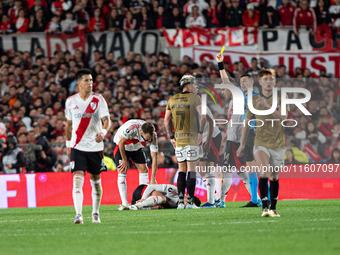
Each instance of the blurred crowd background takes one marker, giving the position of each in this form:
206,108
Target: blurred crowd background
33,88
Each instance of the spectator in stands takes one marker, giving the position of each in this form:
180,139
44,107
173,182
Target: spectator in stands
13,13
289,158
114,22
254,69
201,4
251,17
59,7
53,27
104,10
96,23
129,22
286,13
270,18
334,12
195,20
6,26
80,13
323,18
68,25
304,16
136,6
313,137
12,159
31,150
214,14
36,7
21,23
234,15
146,20
326,122
335,157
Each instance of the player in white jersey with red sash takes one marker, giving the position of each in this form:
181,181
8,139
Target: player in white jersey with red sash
87,123
129,142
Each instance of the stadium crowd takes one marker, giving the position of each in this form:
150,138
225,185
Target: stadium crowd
55,16
34,89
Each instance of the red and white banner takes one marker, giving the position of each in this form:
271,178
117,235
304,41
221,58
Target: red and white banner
314,61
55,189
210,37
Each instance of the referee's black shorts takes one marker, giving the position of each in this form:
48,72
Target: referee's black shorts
248,151
90,161
138,157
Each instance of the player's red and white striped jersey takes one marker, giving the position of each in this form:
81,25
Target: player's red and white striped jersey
86,120
168,190
131,131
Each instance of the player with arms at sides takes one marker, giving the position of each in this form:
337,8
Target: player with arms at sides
157,196
87,123
181,113
269,145
211,156
129,142
234,130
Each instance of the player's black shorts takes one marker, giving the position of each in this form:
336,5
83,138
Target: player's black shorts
230,157
137,194
90,161
138,157
248,151
215,145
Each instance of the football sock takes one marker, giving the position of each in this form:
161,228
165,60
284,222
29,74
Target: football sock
245,178
191,185
122,188
150,201
143,178
253,182
264,192
97,192
181,184
77,193
225,185
274,192
209,180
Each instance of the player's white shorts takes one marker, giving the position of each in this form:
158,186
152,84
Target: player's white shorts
189,153
276,157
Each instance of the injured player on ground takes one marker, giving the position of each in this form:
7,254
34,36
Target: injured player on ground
157,196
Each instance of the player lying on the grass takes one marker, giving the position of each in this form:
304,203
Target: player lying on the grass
157,196
269,141
129,141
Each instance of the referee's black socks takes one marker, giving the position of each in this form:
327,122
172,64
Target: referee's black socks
274,192
263,186
191,185
181,184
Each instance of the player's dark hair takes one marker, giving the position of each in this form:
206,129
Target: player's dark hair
196,201
267,71
81,72
148,128
246,75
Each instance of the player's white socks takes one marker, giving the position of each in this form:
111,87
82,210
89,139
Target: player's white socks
245,179
77,193
97,192
150,201
122,188
143,178
225,185
209,180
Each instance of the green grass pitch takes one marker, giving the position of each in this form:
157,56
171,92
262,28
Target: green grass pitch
305,227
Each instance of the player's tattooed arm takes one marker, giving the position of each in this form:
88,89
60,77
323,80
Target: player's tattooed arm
105,129
106,123
68,130
168,124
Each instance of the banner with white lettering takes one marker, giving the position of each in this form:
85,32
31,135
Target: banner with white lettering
315,61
